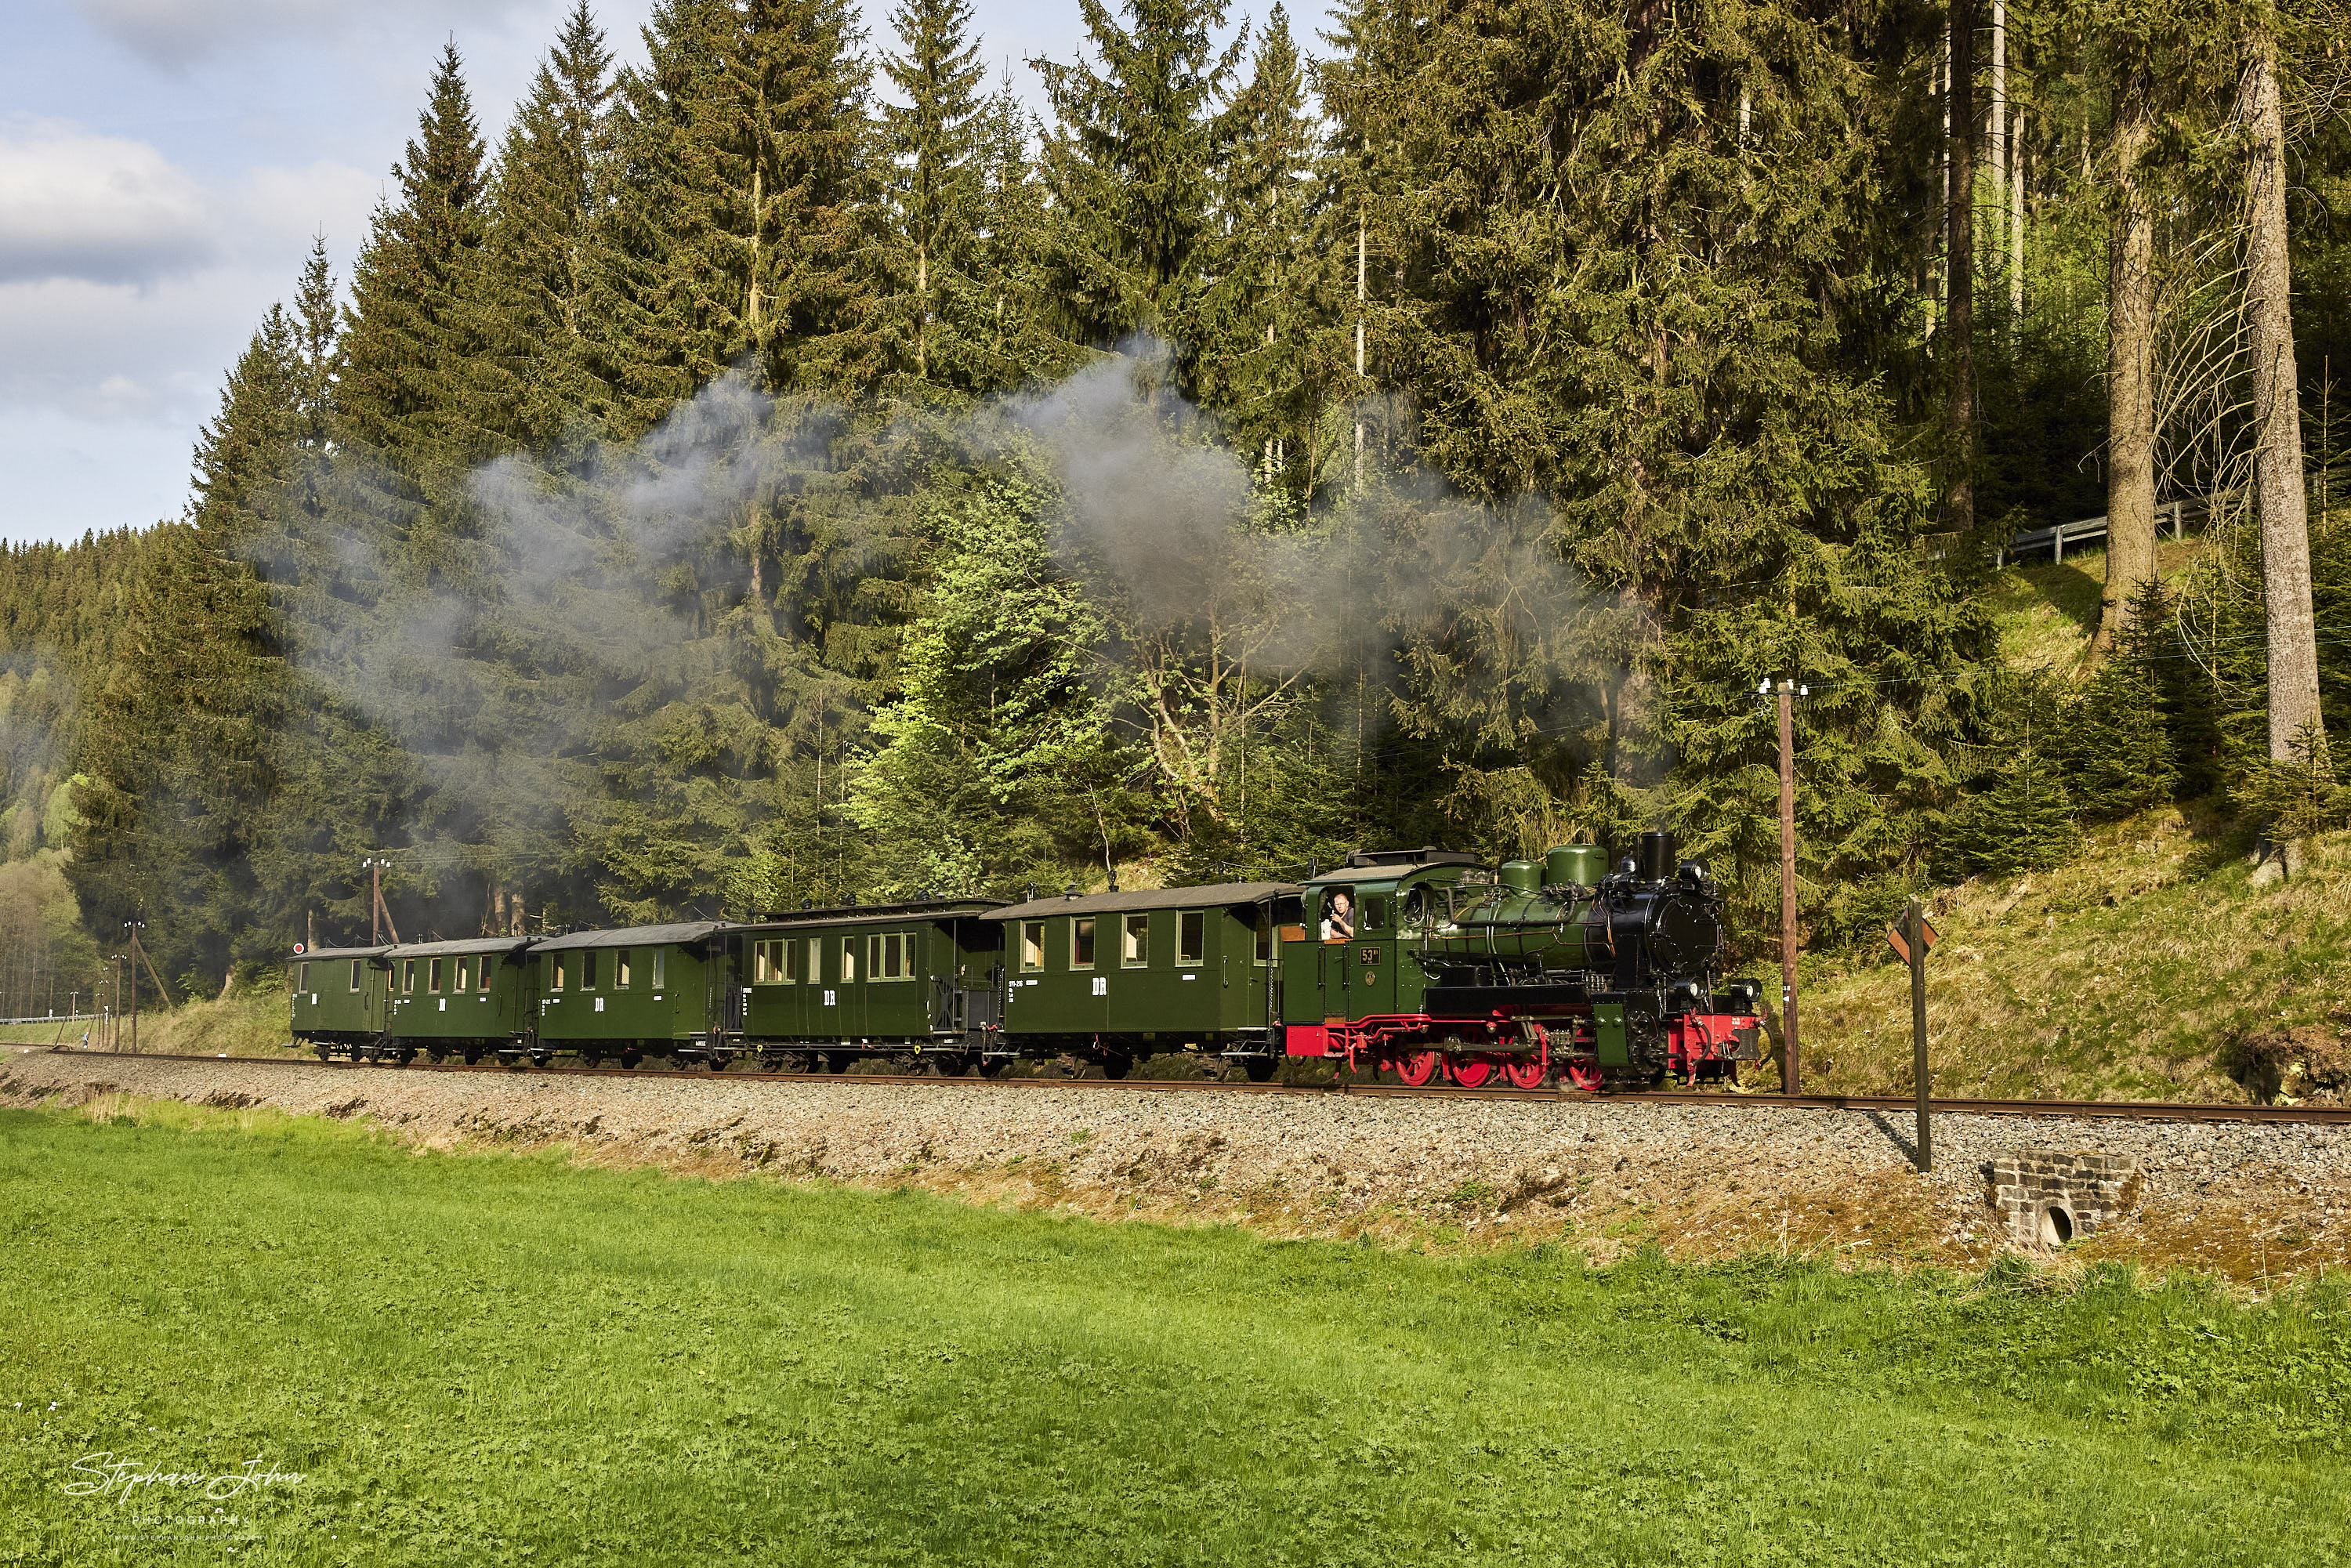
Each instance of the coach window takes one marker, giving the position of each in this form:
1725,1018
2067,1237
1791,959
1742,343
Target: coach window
768,962
407,975
432,976
620,969
301,976
816,960
1032,944
1376,912
1135,941
464,976
661,965
482,977
555,972
588,970
1192,937
848,959
1261,921
890,956
355,973
1081,941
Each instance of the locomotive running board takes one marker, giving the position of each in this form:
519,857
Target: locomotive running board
1482,1002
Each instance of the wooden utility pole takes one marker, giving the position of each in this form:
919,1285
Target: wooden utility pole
1914,920
380,918
1788,1063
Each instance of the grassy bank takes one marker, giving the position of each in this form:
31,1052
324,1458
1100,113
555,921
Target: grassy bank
248,1023
2150,968
487,1359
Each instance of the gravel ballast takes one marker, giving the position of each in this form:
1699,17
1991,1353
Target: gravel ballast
2250,1201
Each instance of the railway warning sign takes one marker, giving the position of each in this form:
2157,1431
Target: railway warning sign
1901,944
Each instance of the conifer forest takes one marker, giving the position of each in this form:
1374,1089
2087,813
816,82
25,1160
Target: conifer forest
802,466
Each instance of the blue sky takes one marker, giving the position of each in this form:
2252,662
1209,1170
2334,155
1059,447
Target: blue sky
163,164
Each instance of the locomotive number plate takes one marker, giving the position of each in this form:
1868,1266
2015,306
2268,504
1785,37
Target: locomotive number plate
1371,955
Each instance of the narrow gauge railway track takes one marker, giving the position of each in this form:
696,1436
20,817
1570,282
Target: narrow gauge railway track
2066,1110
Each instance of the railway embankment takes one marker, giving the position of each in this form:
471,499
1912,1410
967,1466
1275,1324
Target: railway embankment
2255,1203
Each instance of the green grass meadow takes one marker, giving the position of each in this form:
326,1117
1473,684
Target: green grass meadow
485,1359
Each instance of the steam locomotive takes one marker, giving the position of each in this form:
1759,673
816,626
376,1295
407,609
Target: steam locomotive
1423,966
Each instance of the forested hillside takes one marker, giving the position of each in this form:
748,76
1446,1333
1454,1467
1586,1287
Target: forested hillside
791,470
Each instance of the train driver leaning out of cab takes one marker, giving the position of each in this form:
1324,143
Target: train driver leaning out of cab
1339,918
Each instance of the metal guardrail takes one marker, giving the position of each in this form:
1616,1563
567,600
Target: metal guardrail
2055,537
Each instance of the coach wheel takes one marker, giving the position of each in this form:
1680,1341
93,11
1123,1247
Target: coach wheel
1472,1071
591,1058
321,1053
836,1061
1418,1067
541,1058
1583,1076
1117,1067
630,1057
991,1066
719,1060
403,1055
1524,1071
950,1063
1259,1069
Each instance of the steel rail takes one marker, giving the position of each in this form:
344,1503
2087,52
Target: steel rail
2067,1109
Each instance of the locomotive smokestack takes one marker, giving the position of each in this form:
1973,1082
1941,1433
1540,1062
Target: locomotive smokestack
1656,856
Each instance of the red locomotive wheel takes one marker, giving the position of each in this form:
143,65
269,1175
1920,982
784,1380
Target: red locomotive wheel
1524,1071
1418,1067
1583,1076
1472,1071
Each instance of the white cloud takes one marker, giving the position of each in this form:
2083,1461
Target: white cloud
103,208
173,34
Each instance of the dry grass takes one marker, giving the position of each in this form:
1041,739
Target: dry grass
248,1023
2129,974
2046,611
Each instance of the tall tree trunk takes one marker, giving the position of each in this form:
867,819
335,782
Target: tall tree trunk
1996,124
2277,415
2130,375
1959,261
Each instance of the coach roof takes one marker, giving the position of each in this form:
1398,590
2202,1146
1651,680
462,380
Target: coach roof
457,948
682,933
1208,897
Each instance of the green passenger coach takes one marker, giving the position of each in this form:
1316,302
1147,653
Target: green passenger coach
824,987
645,990
341,1001
465,998
1135,974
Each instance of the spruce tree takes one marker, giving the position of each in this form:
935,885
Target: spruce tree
179,744
937,169
2025,822
2117,749
552,273
748,219
1257,317
1129,165
2152,643
1013,314
413,385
